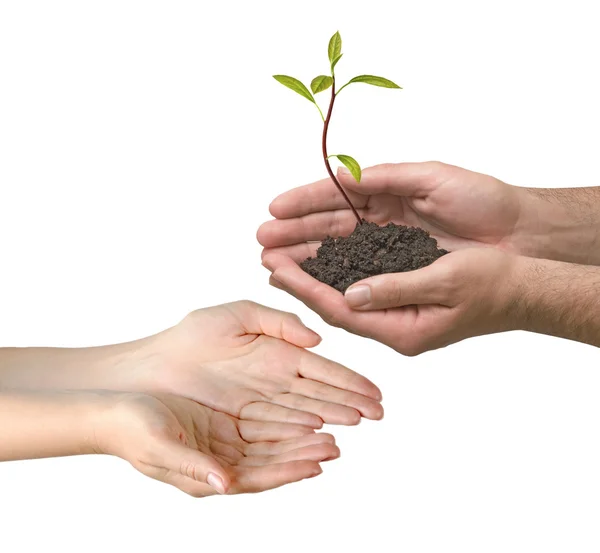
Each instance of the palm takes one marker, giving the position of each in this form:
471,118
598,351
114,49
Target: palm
256,455
222,360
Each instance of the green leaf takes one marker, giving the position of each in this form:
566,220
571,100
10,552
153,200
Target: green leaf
351,164
321,83
375,81
335,46
295,85
334,62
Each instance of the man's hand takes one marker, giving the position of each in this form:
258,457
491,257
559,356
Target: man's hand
466,293
203,452
462,294
459,208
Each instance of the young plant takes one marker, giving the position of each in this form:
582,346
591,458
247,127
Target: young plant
321,83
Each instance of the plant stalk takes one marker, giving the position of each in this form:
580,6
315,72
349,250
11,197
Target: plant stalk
326,157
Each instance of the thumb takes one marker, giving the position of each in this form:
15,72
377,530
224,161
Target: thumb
430,285
189,462
260,319
401,179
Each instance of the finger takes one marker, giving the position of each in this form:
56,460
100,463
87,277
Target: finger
297,252
180,459
258,479
264,411
176,479
430,285
276,283
323,299
401,179
318,452
259,319
323,370
319,196
367,407
253,431
311,227
277,448
330,413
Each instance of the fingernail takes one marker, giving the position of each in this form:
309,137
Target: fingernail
357,296
343,171
215,482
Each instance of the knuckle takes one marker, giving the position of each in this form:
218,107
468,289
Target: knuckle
448,279
292,317
392,292
245,304
332,319
412,351
387,167
435,165
188,469
410,347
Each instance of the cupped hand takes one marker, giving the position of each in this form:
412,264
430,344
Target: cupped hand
251,362
466,293
203,452
458,207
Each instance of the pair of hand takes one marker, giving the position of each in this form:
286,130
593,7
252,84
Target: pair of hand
252,399
473,290
226,401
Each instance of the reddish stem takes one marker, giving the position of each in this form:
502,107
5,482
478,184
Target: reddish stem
325,157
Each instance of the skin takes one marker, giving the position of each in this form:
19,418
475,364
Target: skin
487,284
175,440
242,359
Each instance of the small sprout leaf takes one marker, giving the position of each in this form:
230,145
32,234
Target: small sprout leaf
351,164
321,83
335,47
375,81
335,60
295,85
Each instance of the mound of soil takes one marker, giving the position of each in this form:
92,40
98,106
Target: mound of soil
371,250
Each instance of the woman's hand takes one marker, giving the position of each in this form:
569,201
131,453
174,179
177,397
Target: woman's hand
203,452
250,361
242,358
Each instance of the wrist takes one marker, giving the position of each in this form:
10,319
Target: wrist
535,228
556,298
521,291
558,224
109,424
118,368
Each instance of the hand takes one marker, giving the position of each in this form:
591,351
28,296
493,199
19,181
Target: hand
249,361
203,452
458,207
466,293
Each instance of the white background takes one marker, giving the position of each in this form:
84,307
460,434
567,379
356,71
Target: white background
140,145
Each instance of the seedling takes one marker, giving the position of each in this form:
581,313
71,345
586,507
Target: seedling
322,83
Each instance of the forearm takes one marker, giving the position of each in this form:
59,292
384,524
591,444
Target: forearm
107,367
41,424
558,299
562,224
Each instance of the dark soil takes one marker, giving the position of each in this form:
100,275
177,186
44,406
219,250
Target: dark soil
372,250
